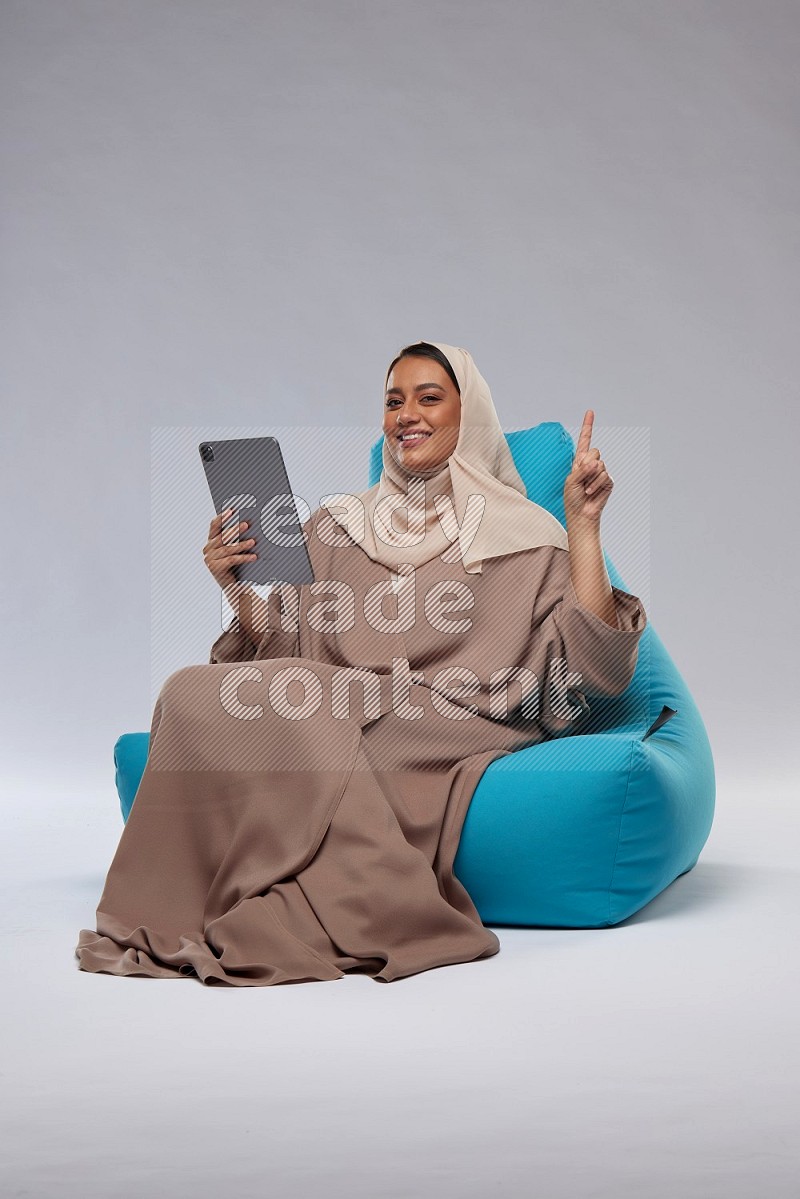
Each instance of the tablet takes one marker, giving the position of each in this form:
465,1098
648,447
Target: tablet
248,474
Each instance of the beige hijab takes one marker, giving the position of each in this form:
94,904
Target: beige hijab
470,508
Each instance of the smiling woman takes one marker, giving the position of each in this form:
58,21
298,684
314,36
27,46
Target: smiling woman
422,411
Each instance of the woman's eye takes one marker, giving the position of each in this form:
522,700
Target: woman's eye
392,403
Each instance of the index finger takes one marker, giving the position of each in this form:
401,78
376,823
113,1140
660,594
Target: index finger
585,435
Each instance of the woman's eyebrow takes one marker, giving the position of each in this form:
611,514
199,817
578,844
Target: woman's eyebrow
419,387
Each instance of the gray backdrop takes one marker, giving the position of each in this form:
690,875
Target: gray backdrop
229,216
233,214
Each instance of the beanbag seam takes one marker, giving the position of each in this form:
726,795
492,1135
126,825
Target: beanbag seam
610,922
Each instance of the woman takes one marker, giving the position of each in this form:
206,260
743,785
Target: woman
305,791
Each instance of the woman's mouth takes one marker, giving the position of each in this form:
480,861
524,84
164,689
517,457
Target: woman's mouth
412,439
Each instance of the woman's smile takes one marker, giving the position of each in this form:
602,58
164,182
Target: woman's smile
413,438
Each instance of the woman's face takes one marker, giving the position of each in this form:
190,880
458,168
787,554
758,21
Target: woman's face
421,413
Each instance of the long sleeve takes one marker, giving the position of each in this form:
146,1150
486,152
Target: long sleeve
276,641
234,645
573,652
605,657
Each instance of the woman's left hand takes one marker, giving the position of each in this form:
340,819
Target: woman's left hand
588,485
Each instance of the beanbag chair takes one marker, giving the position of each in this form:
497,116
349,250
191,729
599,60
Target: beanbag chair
584,830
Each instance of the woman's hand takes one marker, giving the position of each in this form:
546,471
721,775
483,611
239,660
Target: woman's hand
222,553
588,485
586,491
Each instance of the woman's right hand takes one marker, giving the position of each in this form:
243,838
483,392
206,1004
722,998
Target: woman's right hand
222,553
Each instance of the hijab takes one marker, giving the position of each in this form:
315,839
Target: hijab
469,508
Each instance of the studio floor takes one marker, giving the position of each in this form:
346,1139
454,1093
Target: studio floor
655,1059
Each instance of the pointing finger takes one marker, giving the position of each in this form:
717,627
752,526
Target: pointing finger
585,435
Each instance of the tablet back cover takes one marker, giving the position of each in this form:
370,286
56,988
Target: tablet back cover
248,474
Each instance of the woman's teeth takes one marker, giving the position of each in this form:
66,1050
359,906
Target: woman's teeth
413,437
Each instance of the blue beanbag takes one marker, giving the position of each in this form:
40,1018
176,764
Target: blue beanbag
581,831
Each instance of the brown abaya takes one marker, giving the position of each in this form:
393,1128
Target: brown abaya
296,821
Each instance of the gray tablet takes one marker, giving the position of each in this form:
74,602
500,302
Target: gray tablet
248,474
